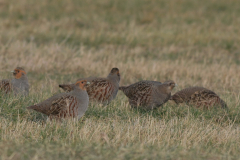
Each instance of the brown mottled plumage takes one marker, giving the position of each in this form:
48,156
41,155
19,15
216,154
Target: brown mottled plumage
148,94
5,85
19,85
199,97
101,90
73,104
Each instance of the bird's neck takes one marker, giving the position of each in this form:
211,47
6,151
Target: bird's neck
22,78
114,78
165,89
77,91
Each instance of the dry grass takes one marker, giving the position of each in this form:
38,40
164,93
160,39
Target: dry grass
190,42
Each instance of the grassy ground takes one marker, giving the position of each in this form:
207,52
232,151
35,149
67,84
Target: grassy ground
191,42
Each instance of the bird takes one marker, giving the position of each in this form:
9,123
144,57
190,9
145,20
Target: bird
18,85
100,90
148,94
199,97
65,105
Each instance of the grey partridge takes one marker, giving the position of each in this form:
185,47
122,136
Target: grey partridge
148,94
101,90
65,105
19,85
199,97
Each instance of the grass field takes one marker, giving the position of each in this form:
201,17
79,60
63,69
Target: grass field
193,42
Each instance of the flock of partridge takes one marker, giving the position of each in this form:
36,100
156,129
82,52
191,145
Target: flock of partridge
74,102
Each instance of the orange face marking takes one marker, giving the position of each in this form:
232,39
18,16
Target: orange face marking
18,73
81,84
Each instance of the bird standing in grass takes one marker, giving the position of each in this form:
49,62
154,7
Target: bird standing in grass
101,90
19,85
64,105
199,97
148,94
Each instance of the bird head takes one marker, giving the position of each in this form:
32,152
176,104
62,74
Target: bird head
114,74
115,71
170,84
18,72
82,84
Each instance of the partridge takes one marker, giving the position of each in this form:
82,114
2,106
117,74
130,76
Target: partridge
65,105
199,97
148,94
101,90
19,85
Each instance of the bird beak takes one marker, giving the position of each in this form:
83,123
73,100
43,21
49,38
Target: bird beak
88,83
176,85
14,73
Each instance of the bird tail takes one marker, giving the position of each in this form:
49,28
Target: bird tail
66,87
34,107
38,108
122,88
223,104
176,98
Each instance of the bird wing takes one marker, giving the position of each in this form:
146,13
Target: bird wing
61,105
204,98
185,94
5,85
139,93
100,89
67,87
